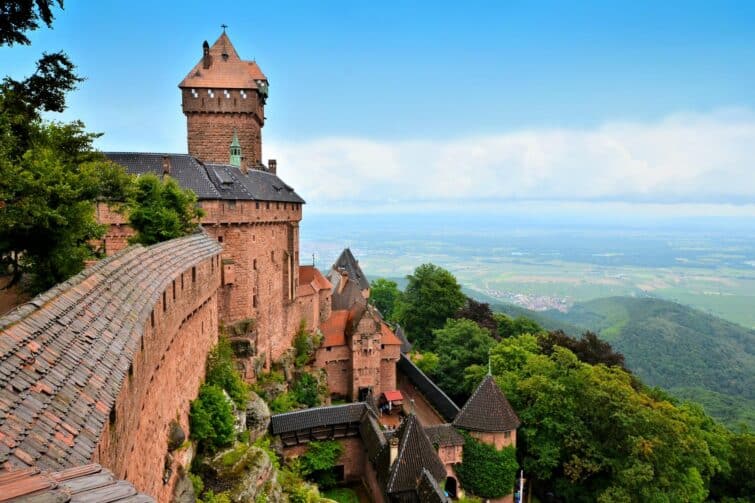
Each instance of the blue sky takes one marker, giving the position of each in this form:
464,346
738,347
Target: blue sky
583,102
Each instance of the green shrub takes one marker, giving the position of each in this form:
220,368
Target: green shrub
211,418
306,390
211,497
197,483
221,372
318,462
285,402
486,471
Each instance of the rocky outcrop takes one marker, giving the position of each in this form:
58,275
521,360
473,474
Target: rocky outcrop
245,472
257,416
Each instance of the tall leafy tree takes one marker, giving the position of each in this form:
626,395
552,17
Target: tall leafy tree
459,344
50,177
162,210
431,297
384,294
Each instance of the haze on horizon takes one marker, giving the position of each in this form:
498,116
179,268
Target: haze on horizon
544,107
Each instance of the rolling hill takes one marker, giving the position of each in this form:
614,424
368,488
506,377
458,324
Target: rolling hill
691,354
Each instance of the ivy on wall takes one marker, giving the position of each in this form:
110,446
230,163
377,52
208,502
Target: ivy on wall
486,471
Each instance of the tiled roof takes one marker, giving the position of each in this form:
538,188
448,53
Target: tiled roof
387,336
444,435
65,354
334,329
415,453
349,296
229,72
437,398
487,410
209,181
428,489
310,275
406,346
317,416
82,484
255,184
185,169
346,261
373,436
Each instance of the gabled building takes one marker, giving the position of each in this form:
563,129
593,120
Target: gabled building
350,284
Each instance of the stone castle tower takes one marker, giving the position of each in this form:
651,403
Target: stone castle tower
223,98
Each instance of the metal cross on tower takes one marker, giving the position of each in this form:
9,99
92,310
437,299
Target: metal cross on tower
224,26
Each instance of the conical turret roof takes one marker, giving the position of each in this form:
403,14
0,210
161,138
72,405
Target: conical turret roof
224,69
415,453
487,410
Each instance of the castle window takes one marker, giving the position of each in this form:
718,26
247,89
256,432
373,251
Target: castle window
254,301
507,434
182,281
174,289
165,301
272,255
231,204
254,264
112,415
220,239
277,206
257,205
152,319
267,205
193,274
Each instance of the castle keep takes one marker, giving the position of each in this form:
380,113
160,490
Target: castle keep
97,374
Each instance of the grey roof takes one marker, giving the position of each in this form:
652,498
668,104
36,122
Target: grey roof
444,435
346,261
437,398
317,416
406,346
209,181
487,410
428,489
82,484
415,453
373,436
348,297
65,354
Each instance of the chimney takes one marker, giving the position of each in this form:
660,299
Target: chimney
166,165
206,58
272,166
393,444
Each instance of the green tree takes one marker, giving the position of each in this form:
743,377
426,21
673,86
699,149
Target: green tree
486,471
306,390
162,210
431,297
512,327
222,373
47,218
459,344
211,418
318,462
427,362
384,294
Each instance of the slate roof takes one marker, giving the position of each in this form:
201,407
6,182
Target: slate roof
428,489
415,453
437,398
83,484
487,410
346,261
406,346
349,296
317,416
65,354
210,181
444,435
230,72
373,436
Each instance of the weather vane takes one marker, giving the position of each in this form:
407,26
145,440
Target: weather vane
224,26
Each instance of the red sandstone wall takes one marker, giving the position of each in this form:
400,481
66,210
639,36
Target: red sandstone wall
337,364
365,347
389,357
499,440
211,122
164,377
118,231
261,250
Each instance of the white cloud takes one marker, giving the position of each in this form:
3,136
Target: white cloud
690,158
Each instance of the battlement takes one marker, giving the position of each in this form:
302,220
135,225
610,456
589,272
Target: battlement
225,101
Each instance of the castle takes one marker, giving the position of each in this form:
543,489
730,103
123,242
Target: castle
102,367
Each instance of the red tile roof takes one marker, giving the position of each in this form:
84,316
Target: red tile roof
230,72
65,354
388,337
393,396
311,280
334,329
82,483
